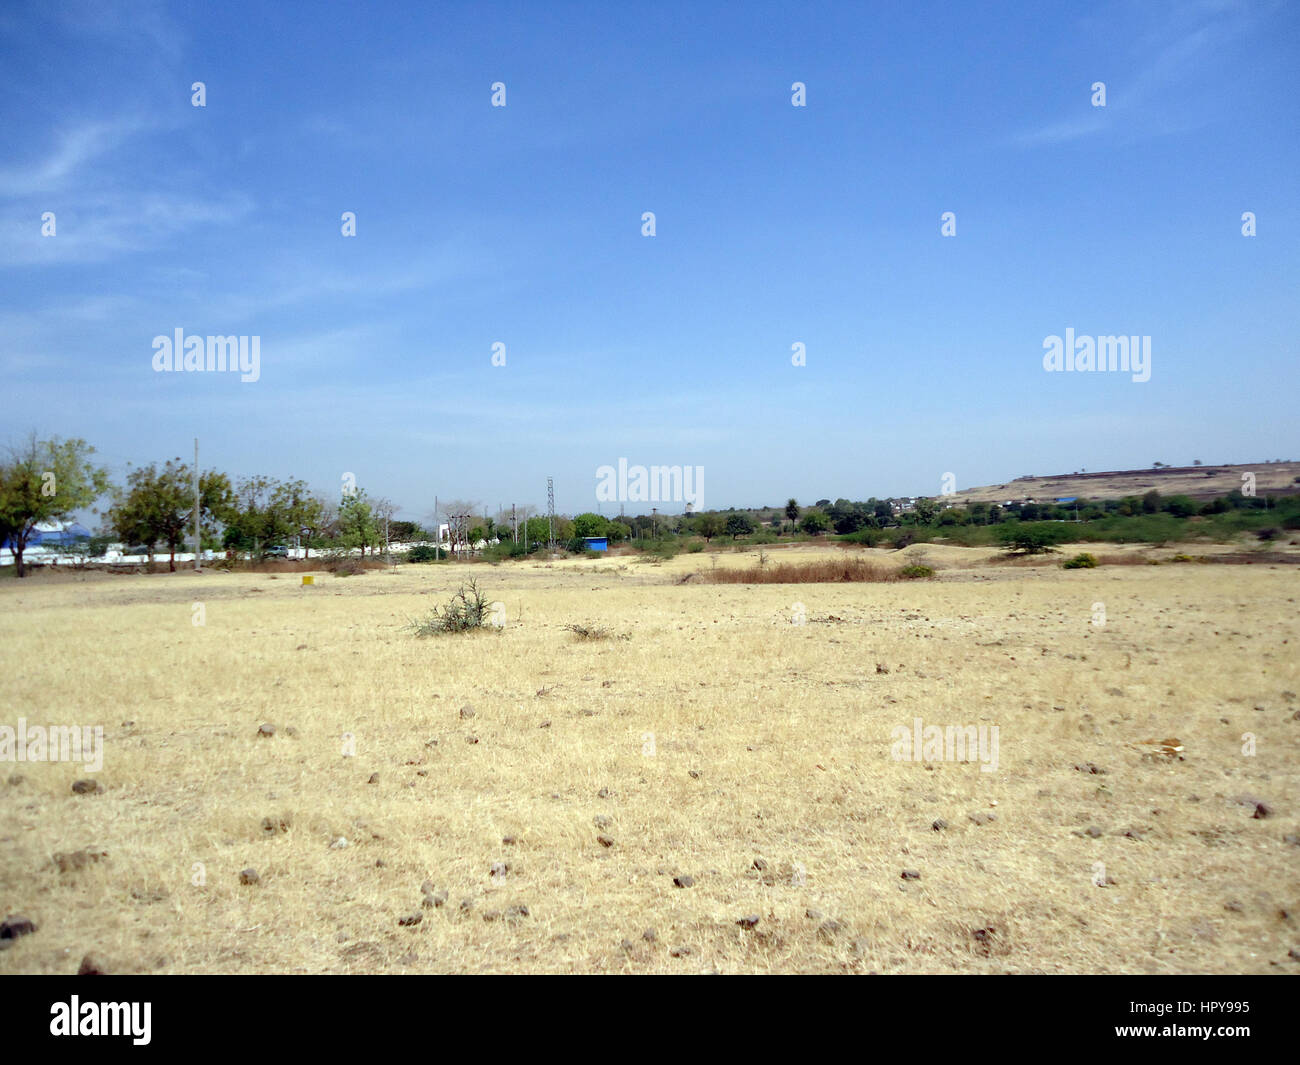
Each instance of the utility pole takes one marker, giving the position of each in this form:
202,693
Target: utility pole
550,513
654,521
198,541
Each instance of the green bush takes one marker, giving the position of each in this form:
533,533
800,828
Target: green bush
424,553
1083,560
916,572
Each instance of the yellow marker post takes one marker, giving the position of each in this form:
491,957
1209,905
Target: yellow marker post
308,578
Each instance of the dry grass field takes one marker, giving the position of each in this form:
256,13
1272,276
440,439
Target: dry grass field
707,737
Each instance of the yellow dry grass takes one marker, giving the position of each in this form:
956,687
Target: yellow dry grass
707,733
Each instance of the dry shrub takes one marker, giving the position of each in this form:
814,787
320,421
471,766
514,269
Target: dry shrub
822,571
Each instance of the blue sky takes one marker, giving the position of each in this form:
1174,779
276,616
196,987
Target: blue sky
774,225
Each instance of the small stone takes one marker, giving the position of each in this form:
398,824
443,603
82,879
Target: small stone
1233,906
1262,810
813,915
410,919
498,870
680,952
514,913
605,841
86,787
694,774
466,905
291,732
939,824
249,876
627,946
601,821
266,731
374,778
829,929
749,920
683,881
544,724
91,966
1292,839
471,739
492,915
911,874
603,793
466,711
1093,831
649,935
760,864
509,841
340,843
15,926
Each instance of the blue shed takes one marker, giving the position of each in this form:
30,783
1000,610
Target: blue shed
597,543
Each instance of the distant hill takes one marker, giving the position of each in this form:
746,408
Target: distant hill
1199,482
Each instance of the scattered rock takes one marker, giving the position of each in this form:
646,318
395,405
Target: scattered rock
1233,906
911,874
694,774
649,935
509,841
680,952
374,778
340,843
748,921
1093,831
291,732
266,731
601,821
603,793
466,711
410,919
86,787
605,841
433,899
813,915
491,915
15,926
982,818
91,966
471,739
466,905
760,864
514,913
249,876
1262,810
1088,767
274,825
498,870
829,929
938,824
77,860
683,881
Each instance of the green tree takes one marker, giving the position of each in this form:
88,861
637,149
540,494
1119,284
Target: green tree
45,481
814,522
709,525
157,506
791,510
590,525
739,524
357,527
